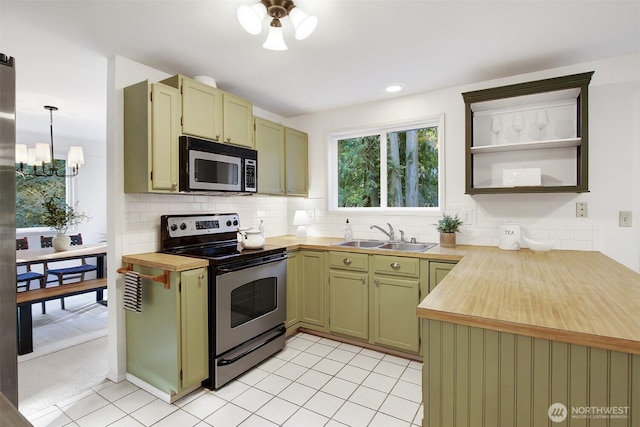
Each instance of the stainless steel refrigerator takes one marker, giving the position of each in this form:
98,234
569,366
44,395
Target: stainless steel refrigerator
8,320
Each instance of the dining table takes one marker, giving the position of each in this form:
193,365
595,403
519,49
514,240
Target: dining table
40,256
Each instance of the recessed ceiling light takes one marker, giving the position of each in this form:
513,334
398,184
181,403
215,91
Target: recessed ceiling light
396,87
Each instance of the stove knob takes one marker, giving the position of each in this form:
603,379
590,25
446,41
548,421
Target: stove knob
183,226
174,227
229,223
235,222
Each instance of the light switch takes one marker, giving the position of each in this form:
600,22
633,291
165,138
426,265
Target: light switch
624,219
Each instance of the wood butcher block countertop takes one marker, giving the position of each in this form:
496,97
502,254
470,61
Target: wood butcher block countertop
166,262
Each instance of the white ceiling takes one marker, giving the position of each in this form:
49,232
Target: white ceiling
358,48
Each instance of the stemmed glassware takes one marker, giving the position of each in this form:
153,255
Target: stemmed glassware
518,124
496,127
542,120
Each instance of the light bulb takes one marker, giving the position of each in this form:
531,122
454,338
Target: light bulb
275,39
251,17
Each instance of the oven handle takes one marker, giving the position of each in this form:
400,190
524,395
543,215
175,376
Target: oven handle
281,331
252,263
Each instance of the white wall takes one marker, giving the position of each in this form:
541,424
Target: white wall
614,159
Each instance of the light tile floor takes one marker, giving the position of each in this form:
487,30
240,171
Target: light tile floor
312,382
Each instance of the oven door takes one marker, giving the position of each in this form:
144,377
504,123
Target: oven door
249,302
214,172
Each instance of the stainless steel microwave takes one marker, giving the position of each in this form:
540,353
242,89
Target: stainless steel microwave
208,166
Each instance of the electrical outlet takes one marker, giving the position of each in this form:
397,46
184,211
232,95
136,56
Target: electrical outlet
624,219
581,209
260,214
466,215
311,214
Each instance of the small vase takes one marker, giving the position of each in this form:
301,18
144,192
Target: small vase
447,240
61,242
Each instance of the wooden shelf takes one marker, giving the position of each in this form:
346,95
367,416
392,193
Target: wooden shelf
532,145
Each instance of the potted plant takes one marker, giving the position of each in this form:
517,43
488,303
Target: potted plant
60,216
448,226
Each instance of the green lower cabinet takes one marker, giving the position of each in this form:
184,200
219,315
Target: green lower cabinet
311,286
293,300
395,323
437,271
349,302
167,342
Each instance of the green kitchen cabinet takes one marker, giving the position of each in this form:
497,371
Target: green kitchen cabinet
293,294
396,294
437,271
285,151
201,107
210,113
269,138
349,294
313,293
167,341
296,162
151,130
237,121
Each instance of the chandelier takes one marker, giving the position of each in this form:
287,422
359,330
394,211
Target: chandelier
251,20
41,158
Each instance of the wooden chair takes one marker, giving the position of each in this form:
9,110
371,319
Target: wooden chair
67,273
23,280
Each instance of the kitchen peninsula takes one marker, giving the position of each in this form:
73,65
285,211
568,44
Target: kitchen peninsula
509,333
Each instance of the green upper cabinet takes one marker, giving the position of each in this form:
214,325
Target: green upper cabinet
297,157
269,138
237,121
211,113
201,107
151,130
285,151
529,137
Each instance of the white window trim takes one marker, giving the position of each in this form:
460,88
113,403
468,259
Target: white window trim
332,175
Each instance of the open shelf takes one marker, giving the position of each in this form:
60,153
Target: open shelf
522,146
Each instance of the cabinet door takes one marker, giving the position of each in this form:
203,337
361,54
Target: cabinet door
297,162
312,289
165,110
238,121
270,145
293,304
194,327
349,302
201,110
437,272
395,323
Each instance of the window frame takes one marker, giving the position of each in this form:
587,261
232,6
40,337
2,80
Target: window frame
383,130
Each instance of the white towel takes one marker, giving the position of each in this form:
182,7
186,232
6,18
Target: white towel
132,291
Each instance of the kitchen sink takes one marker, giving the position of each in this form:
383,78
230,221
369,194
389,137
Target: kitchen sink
408,247
361,243
392,246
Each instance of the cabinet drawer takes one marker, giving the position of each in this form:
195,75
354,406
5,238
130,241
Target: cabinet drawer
349,261
397,266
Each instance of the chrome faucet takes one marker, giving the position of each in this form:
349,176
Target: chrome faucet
389,234
401,235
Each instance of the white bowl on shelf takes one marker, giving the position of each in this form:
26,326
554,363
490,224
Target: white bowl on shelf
540,245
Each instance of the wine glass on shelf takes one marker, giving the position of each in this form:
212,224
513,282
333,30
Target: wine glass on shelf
518,124
496,127
542,120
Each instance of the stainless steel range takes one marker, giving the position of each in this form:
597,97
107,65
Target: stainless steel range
247,291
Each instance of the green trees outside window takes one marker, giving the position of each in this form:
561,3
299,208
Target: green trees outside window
31,192
401,173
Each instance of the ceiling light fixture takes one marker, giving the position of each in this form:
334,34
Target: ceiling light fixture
43,156
251,18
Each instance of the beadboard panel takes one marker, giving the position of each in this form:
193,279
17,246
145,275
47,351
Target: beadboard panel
477,377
